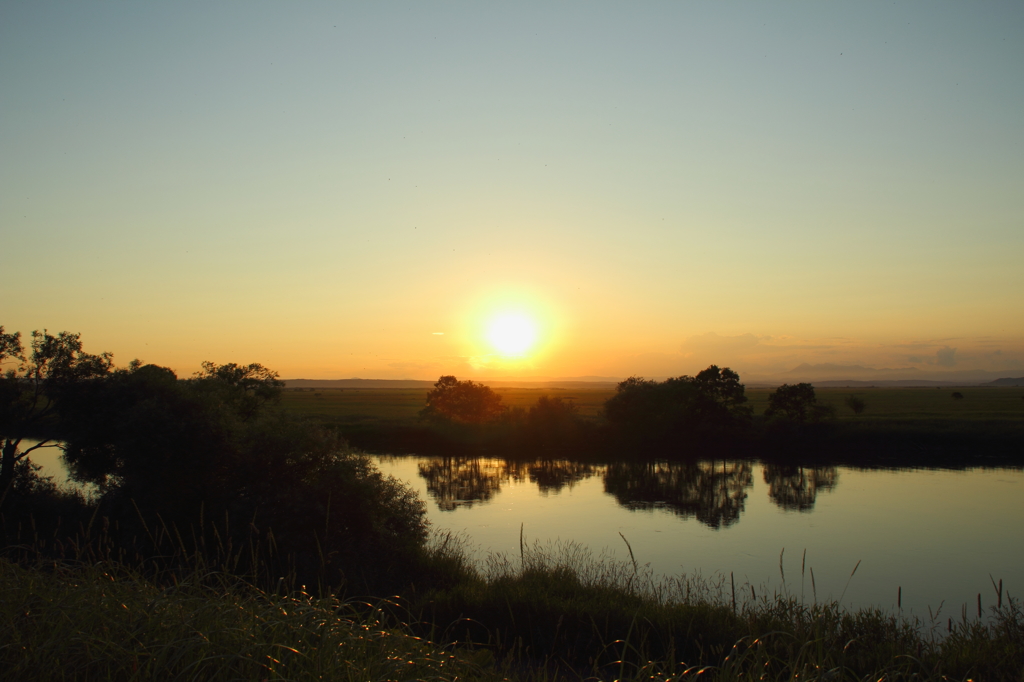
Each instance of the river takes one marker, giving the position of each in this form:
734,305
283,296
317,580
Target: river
928,541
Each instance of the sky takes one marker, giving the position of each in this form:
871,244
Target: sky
345,190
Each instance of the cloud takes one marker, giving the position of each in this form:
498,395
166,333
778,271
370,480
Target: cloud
712,342
414,366
759,357
946,356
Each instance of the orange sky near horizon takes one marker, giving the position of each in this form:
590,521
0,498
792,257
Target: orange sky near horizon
356,191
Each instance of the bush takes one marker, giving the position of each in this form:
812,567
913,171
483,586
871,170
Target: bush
216,467
797,404
856,404
708,409
553,423
462,402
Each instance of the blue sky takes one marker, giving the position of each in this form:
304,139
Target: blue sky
327,188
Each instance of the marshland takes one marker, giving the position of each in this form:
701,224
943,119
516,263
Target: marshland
511,341
224,525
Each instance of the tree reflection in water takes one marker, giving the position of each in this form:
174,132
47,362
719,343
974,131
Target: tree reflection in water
713,491
796,488
456,482
553,475
462,482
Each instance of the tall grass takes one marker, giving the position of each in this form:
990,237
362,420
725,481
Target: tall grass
551,612
561,610
105,622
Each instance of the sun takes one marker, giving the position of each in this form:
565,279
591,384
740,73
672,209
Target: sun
512,334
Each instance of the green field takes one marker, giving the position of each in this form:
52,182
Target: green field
402,405
978,403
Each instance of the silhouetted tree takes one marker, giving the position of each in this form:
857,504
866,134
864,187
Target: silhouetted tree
720,396
37,388
797,404
643,406
856,404
707,407
462,402
248,389
167,443
553,423
216,447
957,395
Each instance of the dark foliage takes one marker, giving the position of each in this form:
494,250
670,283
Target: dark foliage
213,450
681,412
554,424
462,402
212,460
713,492
797,404
856,404
35,389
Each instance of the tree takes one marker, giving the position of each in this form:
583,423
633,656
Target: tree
553,423
154,436
37,388
707,406
552,414
796,403
462,402
720,395
638,404
215,451
247,388
856,404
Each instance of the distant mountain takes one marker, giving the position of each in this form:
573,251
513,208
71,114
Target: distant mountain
357,383
822,375
886,383
832,371
858,375
531,382
552,382
1006,382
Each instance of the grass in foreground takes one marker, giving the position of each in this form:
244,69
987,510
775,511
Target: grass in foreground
545,615
107,623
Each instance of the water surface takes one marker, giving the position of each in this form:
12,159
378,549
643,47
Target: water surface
937,534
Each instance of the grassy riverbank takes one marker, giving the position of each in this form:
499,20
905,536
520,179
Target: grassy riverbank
536,616
899,427
402,405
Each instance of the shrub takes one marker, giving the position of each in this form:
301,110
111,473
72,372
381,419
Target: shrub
462,402
856,404
797,404
708,407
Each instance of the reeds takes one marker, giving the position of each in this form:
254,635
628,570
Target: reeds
555,612
105,622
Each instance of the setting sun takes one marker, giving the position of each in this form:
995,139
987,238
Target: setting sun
512,334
